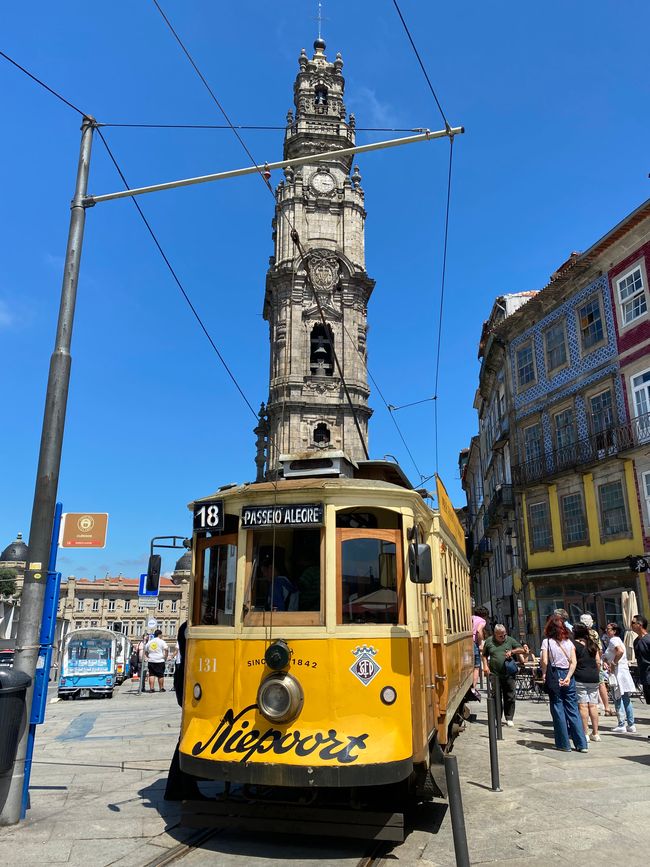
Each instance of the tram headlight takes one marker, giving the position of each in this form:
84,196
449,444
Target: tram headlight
280,698
197,692
388,695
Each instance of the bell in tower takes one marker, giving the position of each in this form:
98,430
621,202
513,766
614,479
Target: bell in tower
317,293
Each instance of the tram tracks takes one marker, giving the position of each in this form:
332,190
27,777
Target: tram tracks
373,858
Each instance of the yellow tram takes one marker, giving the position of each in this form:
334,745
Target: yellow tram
329,644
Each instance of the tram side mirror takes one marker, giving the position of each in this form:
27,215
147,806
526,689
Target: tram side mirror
420,565
153,573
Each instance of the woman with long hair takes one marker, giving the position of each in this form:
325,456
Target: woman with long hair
587,676
620,679
558,665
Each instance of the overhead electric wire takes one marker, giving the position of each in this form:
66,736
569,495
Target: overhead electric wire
296,239
177,279
294,234
245,126
446,235
422,67
42,84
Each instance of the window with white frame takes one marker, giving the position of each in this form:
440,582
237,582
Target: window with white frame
174,605
80,604
138,628
140,606
539,520
95,604
127,605
602,411
525,365
641,392
555,342
613,517
160,605
574,523
632,297
111,605
590,319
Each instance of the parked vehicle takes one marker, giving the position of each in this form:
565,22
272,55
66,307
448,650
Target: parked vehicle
88,664
123,659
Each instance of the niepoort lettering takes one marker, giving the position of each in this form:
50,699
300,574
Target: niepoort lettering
309,514
233,735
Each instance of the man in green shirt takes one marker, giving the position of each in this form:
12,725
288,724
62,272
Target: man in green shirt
496,650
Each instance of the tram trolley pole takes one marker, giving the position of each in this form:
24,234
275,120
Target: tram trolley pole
492,734
456,810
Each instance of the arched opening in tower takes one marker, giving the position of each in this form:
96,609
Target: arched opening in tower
322,434
320,356
320,95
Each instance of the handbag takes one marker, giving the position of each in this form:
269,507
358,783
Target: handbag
551,683
510,667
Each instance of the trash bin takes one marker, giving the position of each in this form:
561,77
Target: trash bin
13,688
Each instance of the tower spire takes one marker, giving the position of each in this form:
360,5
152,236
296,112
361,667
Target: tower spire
319,18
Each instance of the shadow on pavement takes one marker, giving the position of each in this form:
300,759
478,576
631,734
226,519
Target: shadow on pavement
642,760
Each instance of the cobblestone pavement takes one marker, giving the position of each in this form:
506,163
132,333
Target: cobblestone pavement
100,769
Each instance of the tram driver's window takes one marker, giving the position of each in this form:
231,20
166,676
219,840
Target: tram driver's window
369,581
285,571
218,587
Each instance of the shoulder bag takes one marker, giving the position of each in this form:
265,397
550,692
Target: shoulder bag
510,668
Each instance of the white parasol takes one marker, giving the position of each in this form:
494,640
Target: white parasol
630,608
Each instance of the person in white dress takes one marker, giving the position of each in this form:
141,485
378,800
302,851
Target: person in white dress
620,679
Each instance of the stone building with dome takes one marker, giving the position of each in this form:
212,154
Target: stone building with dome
13,559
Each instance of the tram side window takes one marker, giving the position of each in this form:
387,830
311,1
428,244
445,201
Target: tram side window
285,570
369,587
218,586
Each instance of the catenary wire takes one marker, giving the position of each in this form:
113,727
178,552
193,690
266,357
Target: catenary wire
422,67
294,234
244,126
442,291
42,84
176,278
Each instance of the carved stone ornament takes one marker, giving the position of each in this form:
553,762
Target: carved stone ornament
324,269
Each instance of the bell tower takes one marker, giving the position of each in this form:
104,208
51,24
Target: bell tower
307,407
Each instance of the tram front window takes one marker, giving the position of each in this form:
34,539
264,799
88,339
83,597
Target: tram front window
219,568
285,572
369,588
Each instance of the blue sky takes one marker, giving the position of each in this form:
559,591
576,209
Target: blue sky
554,99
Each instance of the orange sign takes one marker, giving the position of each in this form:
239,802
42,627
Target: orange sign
448,515
83,530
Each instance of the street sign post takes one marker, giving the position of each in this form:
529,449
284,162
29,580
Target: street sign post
152,624
143,591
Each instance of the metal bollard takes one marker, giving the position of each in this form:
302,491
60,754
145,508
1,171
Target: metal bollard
480,678
456,810
498,706
494,750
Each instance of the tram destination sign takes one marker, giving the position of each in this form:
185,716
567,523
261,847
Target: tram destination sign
208,515
295,515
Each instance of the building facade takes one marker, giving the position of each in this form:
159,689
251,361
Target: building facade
317,288
112,603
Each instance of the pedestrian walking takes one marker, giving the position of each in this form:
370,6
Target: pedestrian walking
641,646
478,631
620,679
603,692
498,652
156,652
558,660
587,675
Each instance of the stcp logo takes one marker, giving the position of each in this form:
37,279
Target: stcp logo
86,523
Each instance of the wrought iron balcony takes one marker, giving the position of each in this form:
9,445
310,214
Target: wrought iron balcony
596,447
485,547
502,501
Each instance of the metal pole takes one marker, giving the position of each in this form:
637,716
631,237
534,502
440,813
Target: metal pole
456,810
498,706
427,135
492,734
49,462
